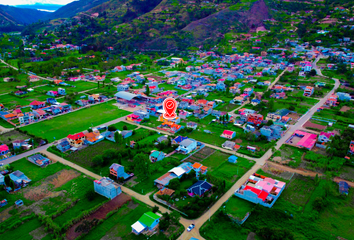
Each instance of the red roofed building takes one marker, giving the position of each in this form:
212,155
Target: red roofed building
37,104
76,140
228,134
4,149
255,119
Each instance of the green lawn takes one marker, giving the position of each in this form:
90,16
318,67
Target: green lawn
120,125
238,207
166,86
60,127
33,172
215,160
77,188
299,190
22,232
118,226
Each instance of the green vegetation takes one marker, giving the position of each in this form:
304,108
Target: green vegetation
60,127
238,207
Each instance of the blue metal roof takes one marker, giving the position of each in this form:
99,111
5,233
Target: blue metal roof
125,95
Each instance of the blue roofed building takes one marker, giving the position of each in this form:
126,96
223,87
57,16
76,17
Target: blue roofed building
199,188
39,160
63,146
272,132
178,140
20,179
107,187
232,159
156,156
343,187
117,170
343,96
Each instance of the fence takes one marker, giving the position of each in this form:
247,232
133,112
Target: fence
167,204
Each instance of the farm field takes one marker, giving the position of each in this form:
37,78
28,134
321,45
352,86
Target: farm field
60,127
293,211
118,226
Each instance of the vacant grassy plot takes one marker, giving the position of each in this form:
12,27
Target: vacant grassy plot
5,124
231,172
33,172
118,226
9,137
78,187
60,127
299,190
166,86
215,160
290,155
84,157
120,125
238,207
22,232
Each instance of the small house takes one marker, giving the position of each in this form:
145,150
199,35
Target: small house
117,170
199,188
107,187
192,125
37,104
63,145
20,179
343,187
76,140
156,156
4,149
147,222
232,159
228,134
39,160
187,146
229,145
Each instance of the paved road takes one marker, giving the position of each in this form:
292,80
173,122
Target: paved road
43,78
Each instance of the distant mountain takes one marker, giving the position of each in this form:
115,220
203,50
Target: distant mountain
42,6
75,7
14,15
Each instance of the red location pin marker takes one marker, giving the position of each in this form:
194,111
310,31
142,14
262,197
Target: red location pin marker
170,106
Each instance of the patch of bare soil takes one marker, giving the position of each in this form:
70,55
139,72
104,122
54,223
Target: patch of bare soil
38,233
309,124
345,108
131,182
100,213
238,141
37,206
56,180
4,215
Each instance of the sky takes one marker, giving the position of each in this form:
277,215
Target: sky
30,2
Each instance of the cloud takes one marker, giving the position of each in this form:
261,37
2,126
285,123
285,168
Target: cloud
32,2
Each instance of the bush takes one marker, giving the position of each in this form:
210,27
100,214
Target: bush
90,195
155,209
112,128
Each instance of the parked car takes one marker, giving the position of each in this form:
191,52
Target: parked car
190,227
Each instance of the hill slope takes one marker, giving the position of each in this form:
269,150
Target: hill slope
14,15
75,7
223,21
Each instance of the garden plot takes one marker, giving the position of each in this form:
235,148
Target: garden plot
289,155
347,172
56,180
11,136
100,213
298,191
312,125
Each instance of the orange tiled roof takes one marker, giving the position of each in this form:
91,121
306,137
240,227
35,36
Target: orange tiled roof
197,165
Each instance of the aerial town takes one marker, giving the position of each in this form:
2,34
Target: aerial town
261,145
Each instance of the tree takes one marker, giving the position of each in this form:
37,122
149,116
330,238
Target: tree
269,123
90,195
112,128
97,160
174,183
7,180
271,105
125,127
12,185
155,209
312,72
147,90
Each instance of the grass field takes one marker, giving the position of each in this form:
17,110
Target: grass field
22,232
120,125
299,190
238,207
118,226
33,172
215,160
78,187
60,127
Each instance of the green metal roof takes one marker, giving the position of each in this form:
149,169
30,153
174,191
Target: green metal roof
148,218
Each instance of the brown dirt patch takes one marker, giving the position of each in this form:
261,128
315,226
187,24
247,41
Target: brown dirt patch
238,141
101,213
345,108
294,117
56,180
309,124
206,151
